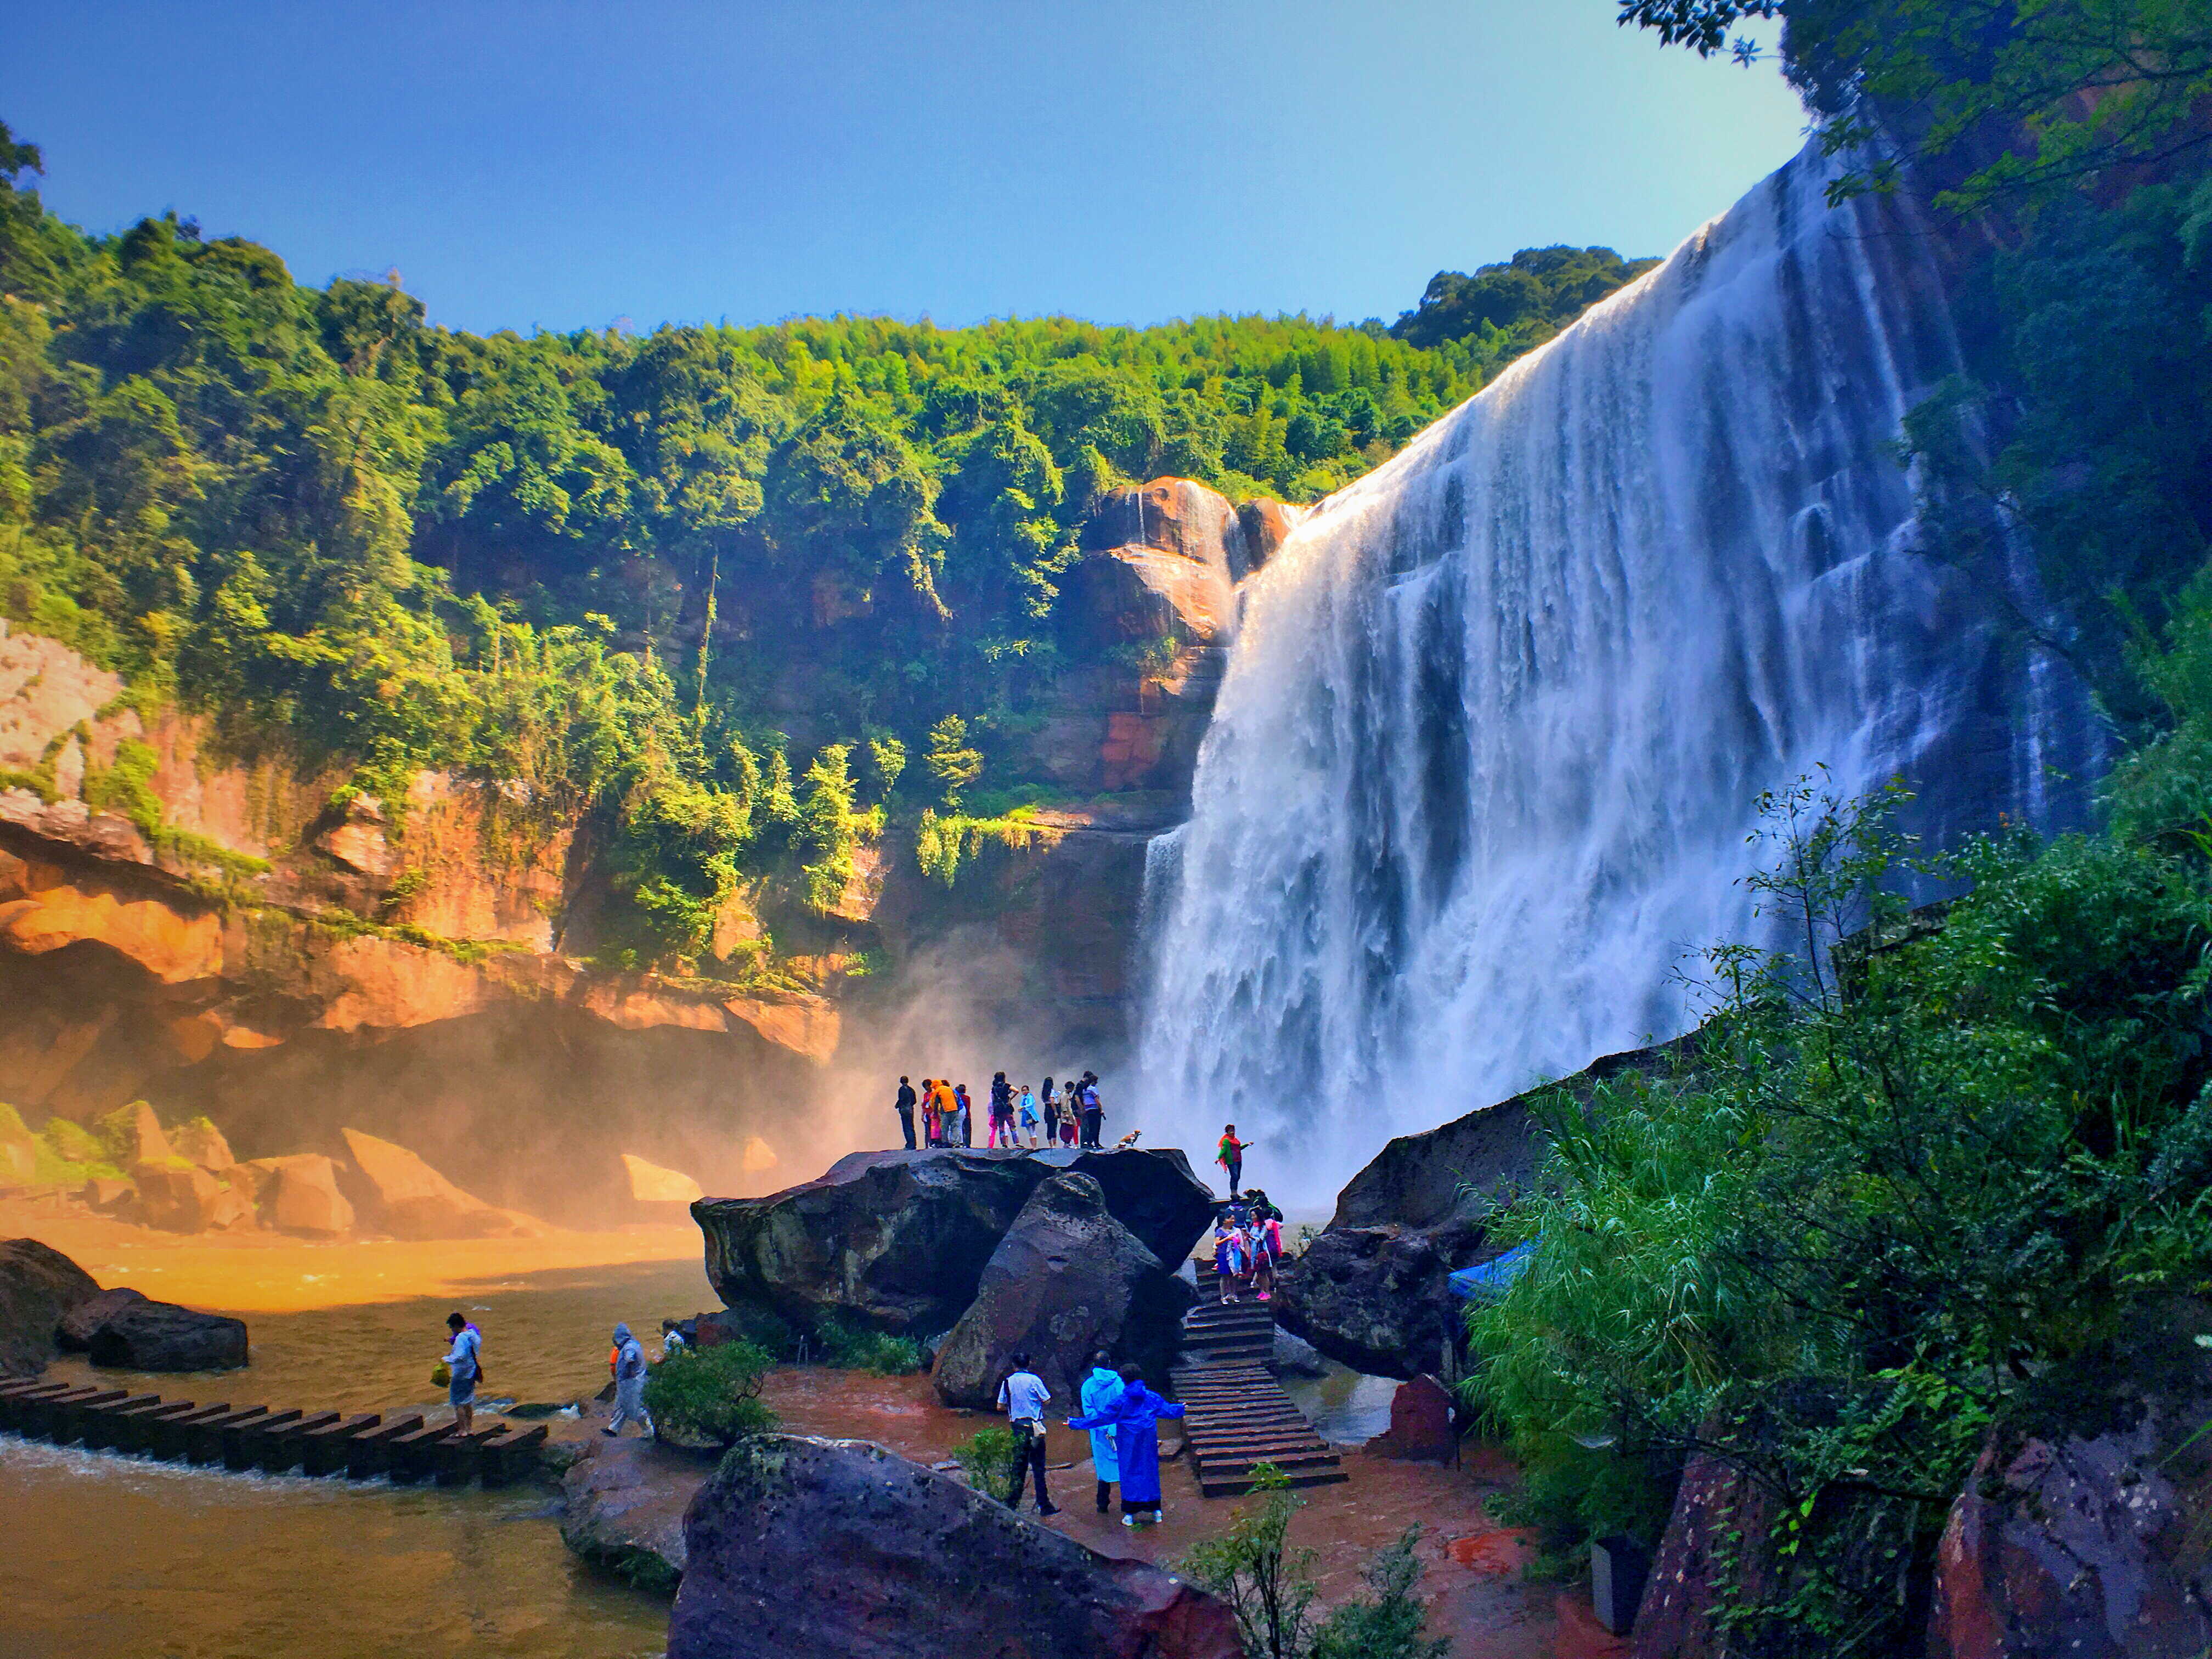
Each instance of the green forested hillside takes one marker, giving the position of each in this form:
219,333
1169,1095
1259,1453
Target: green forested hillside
689,578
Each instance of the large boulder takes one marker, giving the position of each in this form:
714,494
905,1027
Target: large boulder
74,1332
2086,1540
132,1134
837,1549
623,1508
300,1193
199,1141
179,1197
38,1286
160,1336
899,1240
403,1196
1066,1280
1370,1289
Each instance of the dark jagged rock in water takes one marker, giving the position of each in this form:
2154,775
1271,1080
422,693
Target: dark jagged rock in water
38,1286
1370,1289
160,1336
1066,1280
899,1240
837,1549
78,1326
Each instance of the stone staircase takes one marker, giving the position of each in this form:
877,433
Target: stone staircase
1236,1415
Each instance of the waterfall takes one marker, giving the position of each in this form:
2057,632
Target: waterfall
1485,760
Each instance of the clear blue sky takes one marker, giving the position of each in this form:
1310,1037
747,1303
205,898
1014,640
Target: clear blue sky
560,165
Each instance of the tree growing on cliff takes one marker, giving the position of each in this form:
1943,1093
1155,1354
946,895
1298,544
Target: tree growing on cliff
952,761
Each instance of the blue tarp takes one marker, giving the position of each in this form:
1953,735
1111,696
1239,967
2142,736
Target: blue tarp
1490,1278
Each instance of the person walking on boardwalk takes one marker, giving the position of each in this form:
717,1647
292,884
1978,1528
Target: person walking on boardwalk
464,1361
1134,1418
1230,1156
629,1383
1022,1397
1093,1114
1100,1390
906,1098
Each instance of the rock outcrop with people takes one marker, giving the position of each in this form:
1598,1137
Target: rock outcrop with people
838,1549
1066,1280
899,1240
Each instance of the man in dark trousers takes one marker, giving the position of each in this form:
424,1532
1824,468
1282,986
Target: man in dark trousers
905,1099
1022,1397
1093,1114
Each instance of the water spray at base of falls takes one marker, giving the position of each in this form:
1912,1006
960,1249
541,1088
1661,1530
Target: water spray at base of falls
1486,759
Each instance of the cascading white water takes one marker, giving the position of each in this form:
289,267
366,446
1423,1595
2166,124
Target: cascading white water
1485,760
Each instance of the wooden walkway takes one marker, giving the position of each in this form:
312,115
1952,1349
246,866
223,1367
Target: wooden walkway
1238,1416
360,1447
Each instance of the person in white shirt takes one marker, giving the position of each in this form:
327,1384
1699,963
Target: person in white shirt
1022,1397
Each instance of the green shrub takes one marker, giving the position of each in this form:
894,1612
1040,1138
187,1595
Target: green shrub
988,1455
850,1346
709,1396
1270,1588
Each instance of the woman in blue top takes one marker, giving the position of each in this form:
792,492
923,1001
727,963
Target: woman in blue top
1134,1418
1100,1390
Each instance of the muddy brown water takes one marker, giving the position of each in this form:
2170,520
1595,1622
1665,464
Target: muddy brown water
104,1557
109,1558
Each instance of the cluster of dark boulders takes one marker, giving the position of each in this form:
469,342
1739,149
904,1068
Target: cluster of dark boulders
983,1254
804,1548
49,1303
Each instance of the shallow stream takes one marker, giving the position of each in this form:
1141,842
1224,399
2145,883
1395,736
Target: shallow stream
108,1557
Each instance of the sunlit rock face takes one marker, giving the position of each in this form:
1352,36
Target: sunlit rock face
1498,716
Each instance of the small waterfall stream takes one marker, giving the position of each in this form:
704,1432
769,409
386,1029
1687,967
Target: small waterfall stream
1483,763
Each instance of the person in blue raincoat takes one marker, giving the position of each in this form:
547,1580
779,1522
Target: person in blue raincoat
1100,1390
1134,1418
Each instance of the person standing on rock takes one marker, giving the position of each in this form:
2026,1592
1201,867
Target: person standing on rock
1093,1114
967,1114
1134,1418
1049,1109
1100,1390
1230,1156
1026,1116
1002,1110
465,1360
906,1098
1022,1397
629,1383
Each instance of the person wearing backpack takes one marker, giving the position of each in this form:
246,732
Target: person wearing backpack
465,1362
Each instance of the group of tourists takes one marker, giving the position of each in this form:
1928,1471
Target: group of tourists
1121,1416
1248,1246
1069,1117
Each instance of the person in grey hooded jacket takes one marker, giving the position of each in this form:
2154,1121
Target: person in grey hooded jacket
629,1383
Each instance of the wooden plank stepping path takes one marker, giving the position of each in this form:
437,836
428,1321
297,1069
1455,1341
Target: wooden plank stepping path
1237,1416
359,1447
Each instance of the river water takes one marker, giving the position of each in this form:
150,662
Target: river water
108,1557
